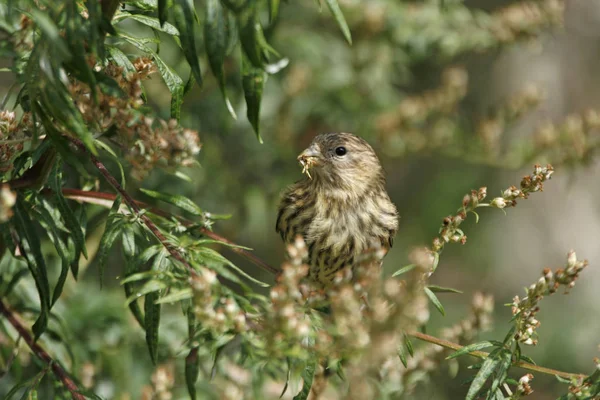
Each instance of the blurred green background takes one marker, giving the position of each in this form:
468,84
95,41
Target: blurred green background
400,49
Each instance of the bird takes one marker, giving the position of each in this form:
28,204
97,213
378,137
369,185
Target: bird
340,207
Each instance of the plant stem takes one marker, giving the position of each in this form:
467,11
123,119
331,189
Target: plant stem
58,371
174,251
482,354
85,196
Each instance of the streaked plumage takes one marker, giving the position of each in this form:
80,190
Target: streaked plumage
342,208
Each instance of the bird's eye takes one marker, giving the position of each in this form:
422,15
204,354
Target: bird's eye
340,151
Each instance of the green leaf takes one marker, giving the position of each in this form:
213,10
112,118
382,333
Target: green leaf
249,29
334,7
216,40
436,302
153,23
501,371
469,348
442,289
273,10
207,255
185,18
179,201
28,385
14,280
253,82
307,381
71,222
405,269
48,223
52,34
176,295
131,267
152,286
151,324
402,355
31,248
409,345
120,59
173,82
192,368
487,369
113,228
162,11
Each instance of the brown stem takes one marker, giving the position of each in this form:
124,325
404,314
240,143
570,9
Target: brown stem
481,354
80,194
58,371
175,253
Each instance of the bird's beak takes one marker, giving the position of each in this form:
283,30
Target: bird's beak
309,158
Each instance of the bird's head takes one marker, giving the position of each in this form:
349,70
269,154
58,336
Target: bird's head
342,160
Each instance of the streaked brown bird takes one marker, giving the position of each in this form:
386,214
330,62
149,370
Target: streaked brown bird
341,207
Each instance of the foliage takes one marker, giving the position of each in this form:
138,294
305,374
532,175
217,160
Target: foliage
86,125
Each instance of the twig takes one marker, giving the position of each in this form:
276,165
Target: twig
77,194
175,253
58,371
482,354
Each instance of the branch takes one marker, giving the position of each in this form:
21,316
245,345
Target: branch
174,251
81,195
482,354
58,371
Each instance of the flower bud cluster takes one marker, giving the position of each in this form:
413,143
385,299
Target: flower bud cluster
416,114
586,387
450,231
523,388
163,381
234,383
525,19
525,309
491,128
147,142
428,359
219,314
575,139
285,324
13,132
8,198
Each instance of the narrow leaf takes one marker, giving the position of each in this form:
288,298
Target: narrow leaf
129,253
487,369
307,381
192,368
162,11
31,247
153,23
71,221
442,289
113,228
61,249
405,269
207,255
173,82
120,59
273,10
177,295
179,201
469,348
334,7
151,324
436,302
253,82
249,37
215,41
185,19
